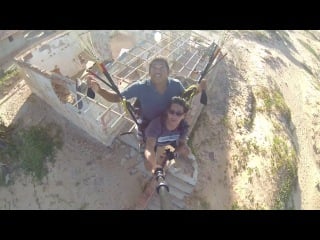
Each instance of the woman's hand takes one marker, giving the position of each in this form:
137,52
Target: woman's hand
155,167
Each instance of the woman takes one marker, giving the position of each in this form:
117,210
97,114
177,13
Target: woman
169,129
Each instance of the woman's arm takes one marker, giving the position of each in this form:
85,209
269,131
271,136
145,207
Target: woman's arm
150,162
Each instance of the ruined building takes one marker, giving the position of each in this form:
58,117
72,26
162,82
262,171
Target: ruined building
55,69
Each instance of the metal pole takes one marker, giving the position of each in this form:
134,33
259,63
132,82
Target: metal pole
162,190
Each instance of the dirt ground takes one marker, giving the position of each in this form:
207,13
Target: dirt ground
85,174
88,175
289,60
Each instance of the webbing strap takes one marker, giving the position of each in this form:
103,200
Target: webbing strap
190,92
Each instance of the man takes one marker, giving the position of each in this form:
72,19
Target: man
153,94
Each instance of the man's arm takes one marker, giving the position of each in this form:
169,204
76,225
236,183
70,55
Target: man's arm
202,86
108,95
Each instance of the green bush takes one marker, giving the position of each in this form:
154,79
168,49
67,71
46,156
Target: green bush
33,147
8,74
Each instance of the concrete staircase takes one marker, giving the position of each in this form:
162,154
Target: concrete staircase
181,184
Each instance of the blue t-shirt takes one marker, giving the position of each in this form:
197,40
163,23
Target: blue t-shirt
152,102
157,129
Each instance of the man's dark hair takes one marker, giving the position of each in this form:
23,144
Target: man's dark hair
180,101
159,59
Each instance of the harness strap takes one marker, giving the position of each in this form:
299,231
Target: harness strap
190,92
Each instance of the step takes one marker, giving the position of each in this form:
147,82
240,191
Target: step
177,204
140,166
172,180
174,201
185,178
177,192
154,203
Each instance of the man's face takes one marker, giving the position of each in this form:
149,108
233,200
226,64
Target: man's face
158,71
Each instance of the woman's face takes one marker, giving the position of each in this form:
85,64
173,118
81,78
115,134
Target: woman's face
175,113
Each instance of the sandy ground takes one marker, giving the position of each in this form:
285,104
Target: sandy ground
88,175
85,174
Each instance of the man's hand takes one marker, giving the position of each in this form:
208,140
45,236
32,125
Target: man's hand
93,84
202,85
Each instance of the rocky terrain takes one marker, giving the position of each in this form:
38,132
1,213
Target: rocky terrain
258,139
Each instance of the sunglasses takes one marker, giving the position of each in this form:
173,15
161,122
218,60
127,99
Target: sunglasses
172,112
